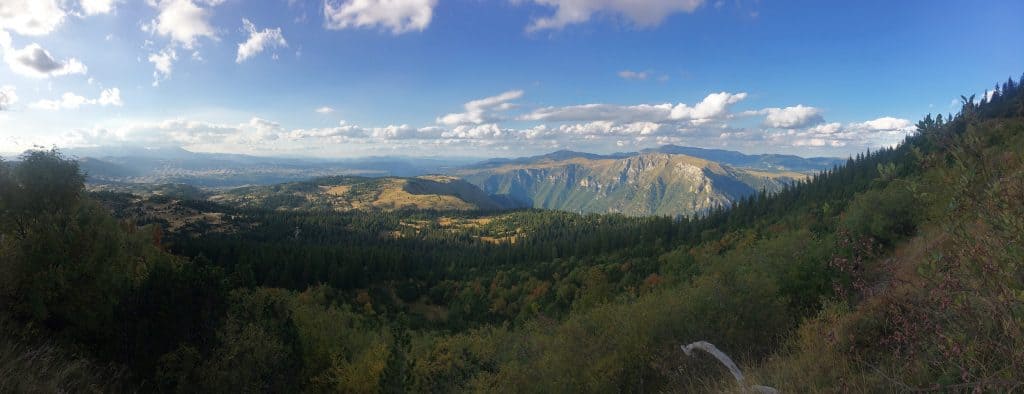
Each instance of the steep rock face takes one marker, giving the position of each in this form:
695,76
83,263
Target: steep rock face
644,184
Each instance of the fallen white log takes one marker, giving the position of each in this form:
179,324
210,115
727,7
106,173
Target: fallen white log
727,361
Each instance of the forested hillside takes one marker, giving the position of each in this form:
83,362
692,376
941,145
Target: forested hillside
898,271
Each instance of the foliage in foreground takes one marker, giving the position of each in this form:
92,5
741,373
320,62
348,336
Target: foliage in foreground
899,271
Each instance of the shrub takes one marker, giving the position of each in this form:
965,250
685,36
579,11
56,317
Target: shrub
887,215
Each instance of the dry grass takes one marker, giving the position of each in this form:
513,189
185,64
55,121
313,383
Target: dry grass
394,196
775,175
391,196
439,178
336,191
45,368
455,225
500,240
178,216
460,223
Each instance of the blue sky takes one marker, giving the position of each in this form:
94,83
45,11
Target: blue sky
342,78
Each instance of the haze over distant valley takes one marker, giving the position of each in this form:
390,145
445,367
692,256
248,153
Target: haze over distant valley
669,180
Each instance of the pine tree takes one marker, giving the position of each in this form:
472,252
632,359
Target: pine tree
397,374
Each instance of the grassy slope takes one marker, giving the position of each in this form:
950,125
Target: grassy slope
939,307
32,367
945,310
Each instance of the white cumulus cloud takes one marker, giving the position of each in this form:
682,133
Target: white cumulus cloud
713,106
36,62
394,132
826,128
95,7
340,133
183,21
796,117
163,64
608,128
324,110
645,13
398,16
885,131
485,131
482,110
69,100
887,123
8,97
264,130
31,17
66,101
258,41
110,97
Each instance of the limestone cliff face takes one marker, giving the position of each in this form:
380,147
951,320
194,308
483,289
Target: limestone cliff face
643,184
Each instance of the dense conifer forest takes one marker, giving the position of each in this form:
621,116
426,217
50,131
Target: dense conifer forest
898,271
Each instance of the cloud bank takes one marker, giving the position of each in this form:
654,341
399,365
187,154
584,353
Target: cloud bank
500,122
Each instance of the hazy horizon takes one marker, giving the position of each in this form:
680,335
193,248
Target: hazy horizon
109,150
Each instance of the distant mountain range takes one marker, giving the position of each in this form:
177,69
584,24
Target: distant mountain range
770,162
668,180
132,165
